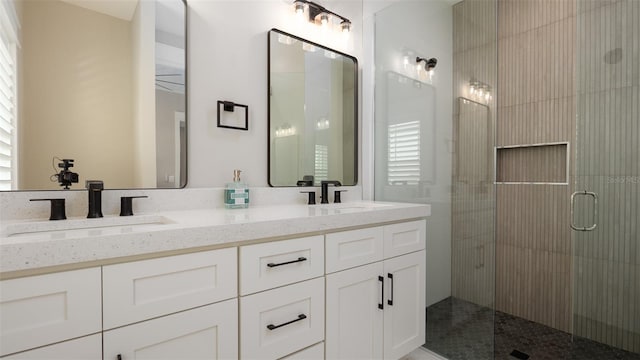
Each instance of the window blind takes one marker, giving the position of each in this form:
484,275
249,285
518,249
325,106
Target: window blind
321,163
404,153
8,83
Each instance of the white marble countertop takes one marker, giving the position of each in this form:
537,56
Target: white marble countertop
30,245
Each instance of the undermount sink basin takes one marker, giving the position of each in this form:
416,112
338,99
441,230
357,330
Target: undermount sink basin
71,227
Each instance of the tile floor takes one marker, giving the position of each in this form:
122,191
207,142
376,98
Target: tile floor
459,330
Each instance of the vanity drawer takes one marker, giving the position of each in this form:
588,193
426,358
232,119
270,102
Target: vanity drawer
269,265
353,248
45,309
403,238
145,289
281,321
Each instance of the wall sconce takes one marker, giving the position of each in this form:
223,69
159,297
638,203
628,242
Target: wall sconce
318,14
480,90
429,64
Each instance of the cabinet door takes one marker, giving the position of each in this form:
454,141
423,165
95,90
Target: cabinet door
85,348
208,332
404,312
355,307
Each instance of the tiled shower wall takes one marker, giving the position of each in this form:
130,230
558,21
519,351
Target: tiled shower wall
536,105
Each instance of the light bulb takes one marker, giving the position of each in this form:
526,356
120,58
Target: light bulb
487,96
480,92
299,8
345,25
472,89
324,19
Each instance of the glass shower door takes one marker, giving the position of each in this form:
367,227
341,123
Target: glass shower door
606,178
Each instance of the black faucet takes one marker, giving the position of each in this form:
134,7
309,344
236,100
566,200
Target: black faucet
95,188
324,189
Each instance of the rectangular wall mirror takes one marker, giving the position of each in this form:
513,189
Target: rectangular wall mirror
313,112
100,82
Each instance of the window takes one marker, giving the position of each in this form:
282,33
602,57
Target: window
8,81
404,154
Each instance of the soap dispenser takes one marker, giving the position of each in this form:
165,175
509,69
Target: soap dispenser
236,194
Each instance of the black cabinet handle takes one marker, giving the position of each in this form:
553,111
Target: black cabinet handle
119,357
381,303
300,259
390,301
273,327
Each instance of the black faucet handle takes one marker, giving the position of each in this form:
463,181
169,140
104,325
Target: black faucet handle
126,204
312,197
94,185
336,196
331,182
57,208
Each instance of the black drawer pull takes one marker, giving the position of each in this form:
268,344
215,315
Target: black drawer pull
119,357
288,262
381,303
273,327
390,301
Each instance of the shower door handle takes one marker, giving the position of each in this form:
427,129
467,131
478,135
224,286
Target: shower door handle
595,209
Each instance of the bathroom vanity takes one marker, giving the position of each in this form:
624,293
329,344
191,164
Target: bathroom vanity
298,282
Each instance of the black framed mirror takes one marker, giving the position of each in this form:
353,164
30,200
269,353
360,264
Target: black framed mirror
313,112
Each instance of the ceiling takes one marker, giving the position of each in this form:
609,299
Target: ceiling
121,9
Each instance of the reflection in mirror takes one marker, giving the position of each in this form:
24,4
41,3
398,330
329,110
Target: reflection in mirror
474,145
312,112
100,82
406,161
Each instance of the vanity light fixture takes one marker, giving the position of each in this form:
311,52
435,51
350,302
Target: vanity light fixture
480,90
318,14
285,130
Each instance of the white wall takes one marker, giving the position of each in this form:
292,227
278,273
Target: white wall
228,61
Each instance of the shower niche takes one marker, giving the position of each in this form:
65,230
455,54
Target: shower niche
533,164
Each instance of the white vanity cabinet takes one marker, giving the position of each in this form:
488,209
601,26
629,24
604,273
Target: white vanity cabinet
45,309
377,309
356,294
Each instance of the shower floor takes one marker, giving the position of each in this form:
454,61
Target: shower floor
460,330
